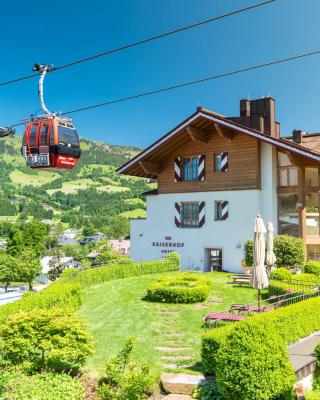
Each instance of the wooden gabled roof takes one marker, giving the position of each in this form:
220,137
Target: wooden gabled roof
198,125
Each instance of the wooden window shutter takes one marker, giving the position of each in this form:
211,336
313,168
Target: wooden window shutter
177,214
201,167
224,162
177,169
225,210
202,215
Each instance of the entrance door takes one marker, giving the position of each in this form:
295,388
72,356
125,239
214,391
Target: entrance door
215,259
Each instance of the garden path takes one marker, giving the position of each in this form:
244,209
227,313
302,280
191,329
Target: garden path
173,347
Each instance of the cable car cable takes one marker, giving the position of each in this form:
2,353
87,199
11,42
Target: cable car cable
147,40
190,83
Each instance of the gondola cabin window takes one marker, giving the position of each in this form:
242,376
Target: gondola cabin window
44,134
67,136
33,136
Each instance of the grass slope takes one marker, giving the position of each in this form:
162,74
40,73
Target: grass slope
115,310
34,179
137,213
65,190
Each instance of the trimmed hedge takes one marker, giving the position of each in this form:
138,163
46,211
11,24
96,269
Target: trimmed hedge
253,363
312,267
56,294
303,316
95,276
287,324
68,290
185,288
281,282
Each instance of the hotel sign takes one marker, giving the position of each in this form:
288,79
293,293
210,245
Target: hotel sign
168,246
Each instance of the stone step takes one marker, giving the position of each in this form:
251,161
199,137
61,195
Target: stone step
176,366
180,383
176,358
173,334
177,397
173,349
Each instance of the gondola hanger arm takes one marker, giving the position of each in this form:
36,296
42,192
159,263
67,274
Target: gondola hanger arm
43,69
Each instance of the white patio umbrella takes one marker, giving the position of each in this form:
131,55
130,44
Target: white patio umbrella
270,256
259,279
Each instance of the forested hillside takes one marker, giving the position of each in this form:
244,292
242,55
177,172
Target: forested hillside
92,194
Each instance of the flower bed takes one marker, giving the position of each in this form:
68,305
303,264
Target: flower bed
183,288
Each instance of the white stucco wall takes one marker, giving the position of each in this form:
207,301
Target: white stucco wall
150,237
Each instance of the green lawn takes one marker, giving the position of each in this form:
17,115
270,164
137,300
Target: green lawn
116,309
137,213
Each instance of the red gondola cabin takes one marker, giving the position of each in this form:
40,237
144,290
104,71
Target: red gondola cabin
51,142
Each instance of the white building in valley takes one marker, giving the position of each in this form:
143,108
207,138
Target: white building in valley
215,174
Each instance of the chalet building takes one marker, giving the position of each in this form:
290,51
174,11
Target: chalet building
215,174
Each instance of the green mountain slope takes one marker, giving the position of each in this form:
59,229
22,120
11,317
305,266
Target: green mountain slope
90,194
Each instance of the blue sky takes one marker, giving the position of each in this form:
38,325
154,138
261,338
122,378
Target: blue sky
61,31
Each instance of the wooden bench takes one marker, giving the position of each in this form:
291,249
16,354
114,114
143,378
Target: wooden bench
241,281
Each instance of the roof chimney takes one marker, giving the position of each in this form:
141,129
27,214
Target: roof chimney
244,108
265,107
297,136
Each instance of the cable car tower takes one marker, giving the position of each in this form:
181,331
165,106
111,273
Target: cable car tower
49,141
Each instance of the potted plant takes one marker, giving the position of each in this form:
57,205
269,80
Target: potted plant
246,269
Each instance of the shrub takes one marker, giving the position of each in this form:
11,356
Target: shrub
281,274
312,267
209,390
289,251
248,253
269,376
314,395
316,377
125,380
174,257
46,386
42,339
183,288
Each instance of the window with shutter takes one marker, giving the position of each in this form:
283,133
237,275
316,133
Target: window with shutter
201,167
221,163
221,210
189,169
177,169
202,215
177,215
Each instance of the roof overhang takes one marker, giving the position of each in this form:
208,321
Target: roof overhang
281,144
